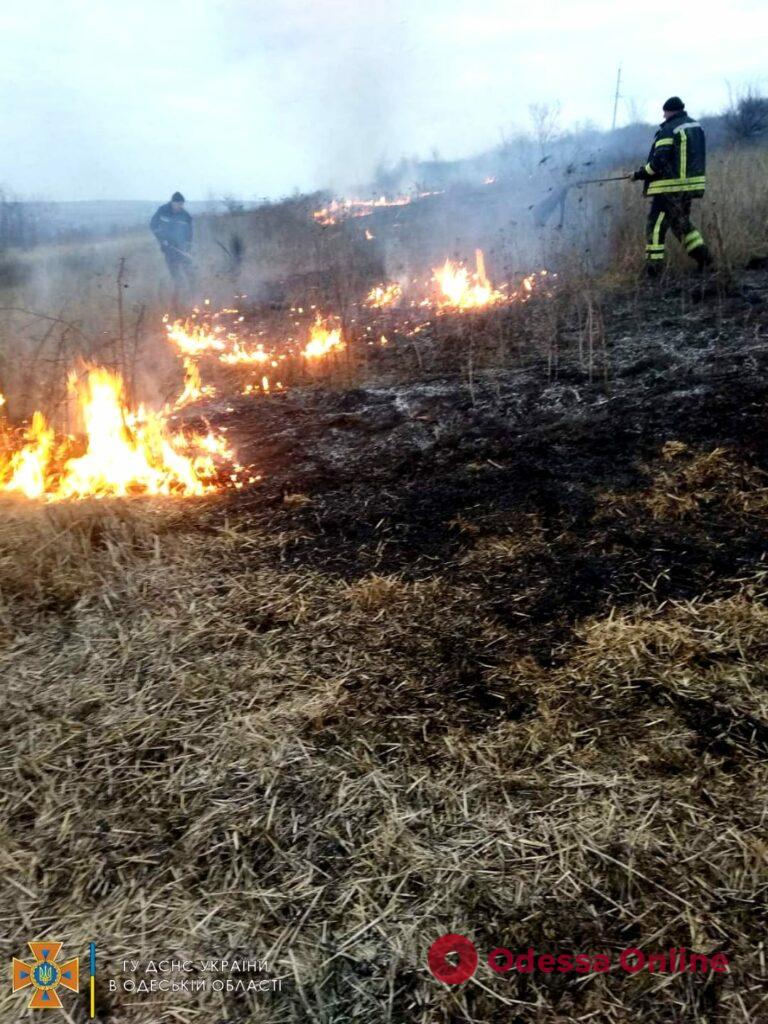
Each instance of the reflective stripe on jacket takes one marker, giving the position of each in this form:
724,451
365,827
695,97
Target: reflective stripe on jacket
677,160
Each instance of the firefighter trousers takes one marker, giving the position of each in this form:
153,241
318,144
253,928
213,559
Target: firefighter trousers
672,211
182,273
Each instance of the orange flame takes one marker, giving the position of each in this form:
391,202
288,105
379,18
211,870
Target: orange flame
127,453
194,389
25,470
384,295
323,340
193,339
340,209
240,355
462,289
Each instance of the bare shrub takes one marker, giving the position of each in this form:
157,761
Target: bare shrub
747,117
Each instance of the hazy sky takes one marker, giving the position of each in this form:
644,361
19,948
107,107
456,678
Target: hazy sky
129,101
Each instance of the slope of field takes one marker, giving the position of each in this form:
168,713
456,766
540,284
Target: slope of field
485,653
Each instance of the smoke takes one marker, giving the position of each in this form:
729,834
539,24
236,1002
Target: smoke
230,96
338,78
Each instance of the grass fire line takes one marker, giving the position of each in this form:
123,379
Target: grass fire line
126,452
139,452
269,357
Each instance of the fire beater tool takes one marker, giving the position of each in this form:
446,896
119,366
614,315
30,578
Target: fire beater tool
546,207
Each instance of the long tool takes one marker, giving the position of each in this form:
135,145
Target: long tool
186,256
599,181
547,206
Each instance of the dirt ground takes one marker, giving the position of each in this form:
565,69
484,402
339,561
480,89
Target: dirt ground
485,652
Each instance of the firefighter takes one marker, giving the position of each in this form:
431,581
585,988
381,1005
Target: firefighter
674,176
172,227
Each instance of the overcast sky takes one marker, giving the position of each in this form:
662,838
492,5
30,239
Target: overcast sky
102,100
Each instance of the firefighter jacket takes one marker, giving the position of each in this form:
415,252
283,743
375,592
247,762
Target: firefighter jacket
174,229
677,160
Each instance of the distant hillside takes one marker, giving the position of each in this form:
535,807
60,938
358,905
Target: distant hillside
551,153
527,162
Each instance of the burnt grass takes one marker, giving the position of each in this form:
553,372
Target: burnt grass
484,651
403,477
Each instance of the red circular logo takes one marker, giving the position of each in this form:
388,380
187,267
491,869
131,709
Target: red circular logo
443,969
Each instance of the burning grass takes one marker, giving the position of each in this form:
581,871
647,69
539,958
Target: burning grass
462,289
258,351
125,452
129,452
341,209
255,352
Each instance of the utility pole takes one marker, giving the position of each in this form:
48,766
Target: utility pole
616,98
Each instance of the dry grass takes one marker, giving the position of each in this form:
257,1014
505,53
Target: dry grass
205,752
689,483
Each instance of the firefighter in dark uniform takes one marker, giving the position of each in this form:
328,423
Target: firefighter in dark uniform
172,227
674,175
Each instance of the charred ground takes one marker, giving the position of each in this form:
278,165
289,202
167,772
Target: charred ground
400,473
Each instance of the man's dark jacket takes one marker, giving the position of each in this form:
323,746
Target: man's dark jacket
172,230
677,162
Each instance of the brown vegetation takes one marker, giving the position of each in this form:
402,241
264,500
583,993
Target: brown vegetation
212,751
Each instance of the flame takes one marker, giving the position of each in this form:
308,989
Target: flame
126,452
249,341
194,389
341,209
26,468
193,339
263,388
462,289
323,340
240,355
384,295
